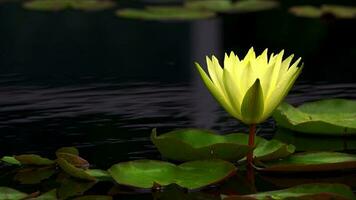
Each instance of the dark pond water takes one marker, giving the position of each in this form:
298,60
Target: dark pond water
101,83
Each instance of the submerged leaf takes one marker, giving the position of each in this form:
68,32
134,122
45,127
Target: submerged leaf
72,187
325,117
50,195
191,175
33,175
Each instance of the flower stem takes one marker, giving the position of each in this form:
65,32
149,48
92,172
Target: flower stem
251,143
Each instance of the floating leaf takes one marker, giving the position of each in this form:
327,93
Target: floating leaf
100,175
198,144
191,175
164,13
307,191
306,11
32,159
58,5
74,171
94,197
70,150
74,160
304,142
71,188
10,160
11,194
228,6
46,5
327,117
313,162
338,11
174,192
33,175
50,195
92,5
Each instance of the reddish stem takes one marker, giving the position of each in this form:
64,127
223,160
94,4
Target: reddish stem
251,143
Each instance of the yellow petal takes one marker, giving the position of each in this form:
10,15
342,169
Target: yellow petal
233,92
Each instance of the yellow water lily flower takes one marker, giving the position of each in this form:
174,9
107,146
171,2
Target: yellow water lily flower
251,88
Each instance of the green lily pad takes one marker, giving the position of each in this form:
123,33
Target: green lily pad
10,160
338,11
58,5
33,175
32,159
326,117
74,171
191,175
306,191
229,6
11,194
312,162
98,174
306,11
303,142
70,150
164,13
52,194
195,144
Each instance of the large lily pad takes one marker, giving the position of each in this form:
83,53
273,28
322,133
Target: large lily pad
303,142
58,5
164,13
229,6
11,194
191,175
195,144
307,191
327,117
312,162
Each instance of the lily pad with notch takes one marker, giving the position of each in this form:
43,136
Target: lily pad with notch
306,191
324,117
195,144
191,175
310,162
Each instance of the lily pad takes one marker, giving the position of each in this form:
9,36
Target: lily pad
11,194
32,159
164,13
195,144
311,162
325,117
10,160
192,175
72,187
229,6
52,194
33,175
58,5
306,191
74,171
98,174
303,142
338,11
